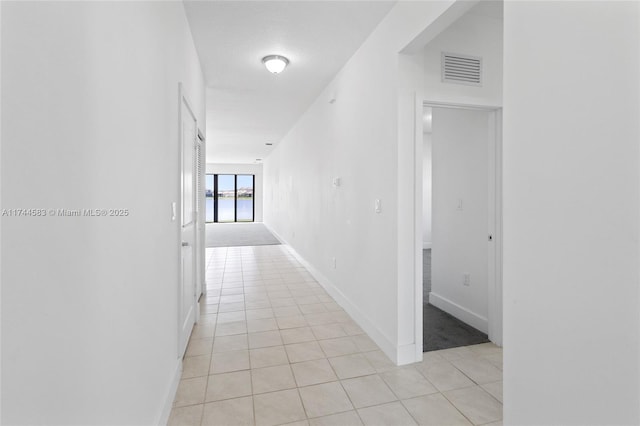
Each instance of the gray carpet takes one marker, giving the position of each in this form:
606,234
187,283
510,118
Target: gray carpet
441,330
238,234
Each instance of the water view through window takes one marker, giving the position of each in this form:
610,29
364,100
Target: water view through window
230,198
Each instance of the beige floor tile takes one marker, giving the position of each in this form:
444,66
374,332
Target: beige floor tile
226,317
264,339
203,331
286,311
352,329
306,351
190,392
321,318
495,360
257,304
444,376
349,418
407,382
313,372
324,399
297,335
379,361
313,308
186,416
230,343
231,328
329,306
455,353
307,300
393,414
277,408
199,347
328,331
263,324
268,357
236,412
431,357
231,307
228,385
254,314
495,389
279,303
434,410
298,423
231,291
476,404
364,343
196,366
233,298
339,346
477,369
294,321
367,391
225,362
353,365
270,379
486,349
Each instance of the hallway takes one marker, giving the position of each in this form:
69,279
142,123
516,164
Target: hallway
272,347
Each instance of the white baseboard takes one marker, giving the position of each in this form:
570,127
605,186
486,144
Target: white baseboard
426,245
399,355
463,314
171,396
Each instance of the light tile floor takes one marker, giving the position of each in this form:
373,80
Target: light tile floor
271,347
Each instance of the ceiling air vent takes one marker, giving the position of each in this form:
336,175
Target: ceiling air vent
461,69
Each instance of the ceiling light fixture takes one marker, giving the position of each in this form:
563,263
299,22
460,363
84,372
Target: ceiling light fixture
275,63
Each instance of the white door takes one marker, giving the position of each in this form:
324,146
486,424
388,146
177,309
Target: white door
187,296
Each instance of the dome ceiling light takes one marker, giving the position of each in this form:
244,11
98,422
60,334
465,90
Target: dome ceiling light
275,63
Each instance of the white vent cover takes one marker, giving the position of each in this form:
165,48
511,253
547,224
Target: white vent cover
461,69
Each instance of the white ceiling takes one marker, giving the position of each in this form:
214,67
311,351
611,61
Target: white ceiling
246,105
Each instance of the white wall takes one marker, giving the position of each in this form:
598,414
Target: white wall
427,237
90,114
474,35
248,169
571,211
356,138
460,214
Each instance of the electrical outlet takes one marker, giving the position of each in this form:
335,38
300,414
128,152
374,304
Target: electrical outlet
466,279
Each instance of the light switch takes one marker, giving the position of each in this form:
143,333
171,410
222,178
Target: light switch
378,205
336,182
459,207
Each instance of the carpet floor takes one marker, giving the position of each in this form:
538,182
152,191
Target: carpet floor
440,329
238,234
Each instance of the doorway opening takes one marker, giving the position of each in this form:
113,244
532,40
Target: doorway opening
461,233
230,198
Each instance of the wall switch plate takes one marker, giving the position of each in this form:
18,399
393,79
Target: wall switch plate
378,205
459,206
466,279
336,182
333,262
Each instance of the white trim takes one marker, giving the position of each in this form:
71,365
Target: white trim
426,245
463,314
396,354
171,396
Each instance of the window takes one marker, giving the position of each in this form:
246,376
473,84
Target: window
230,198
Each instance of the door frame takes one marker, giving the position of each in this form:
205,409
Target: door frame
183,100
494,267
